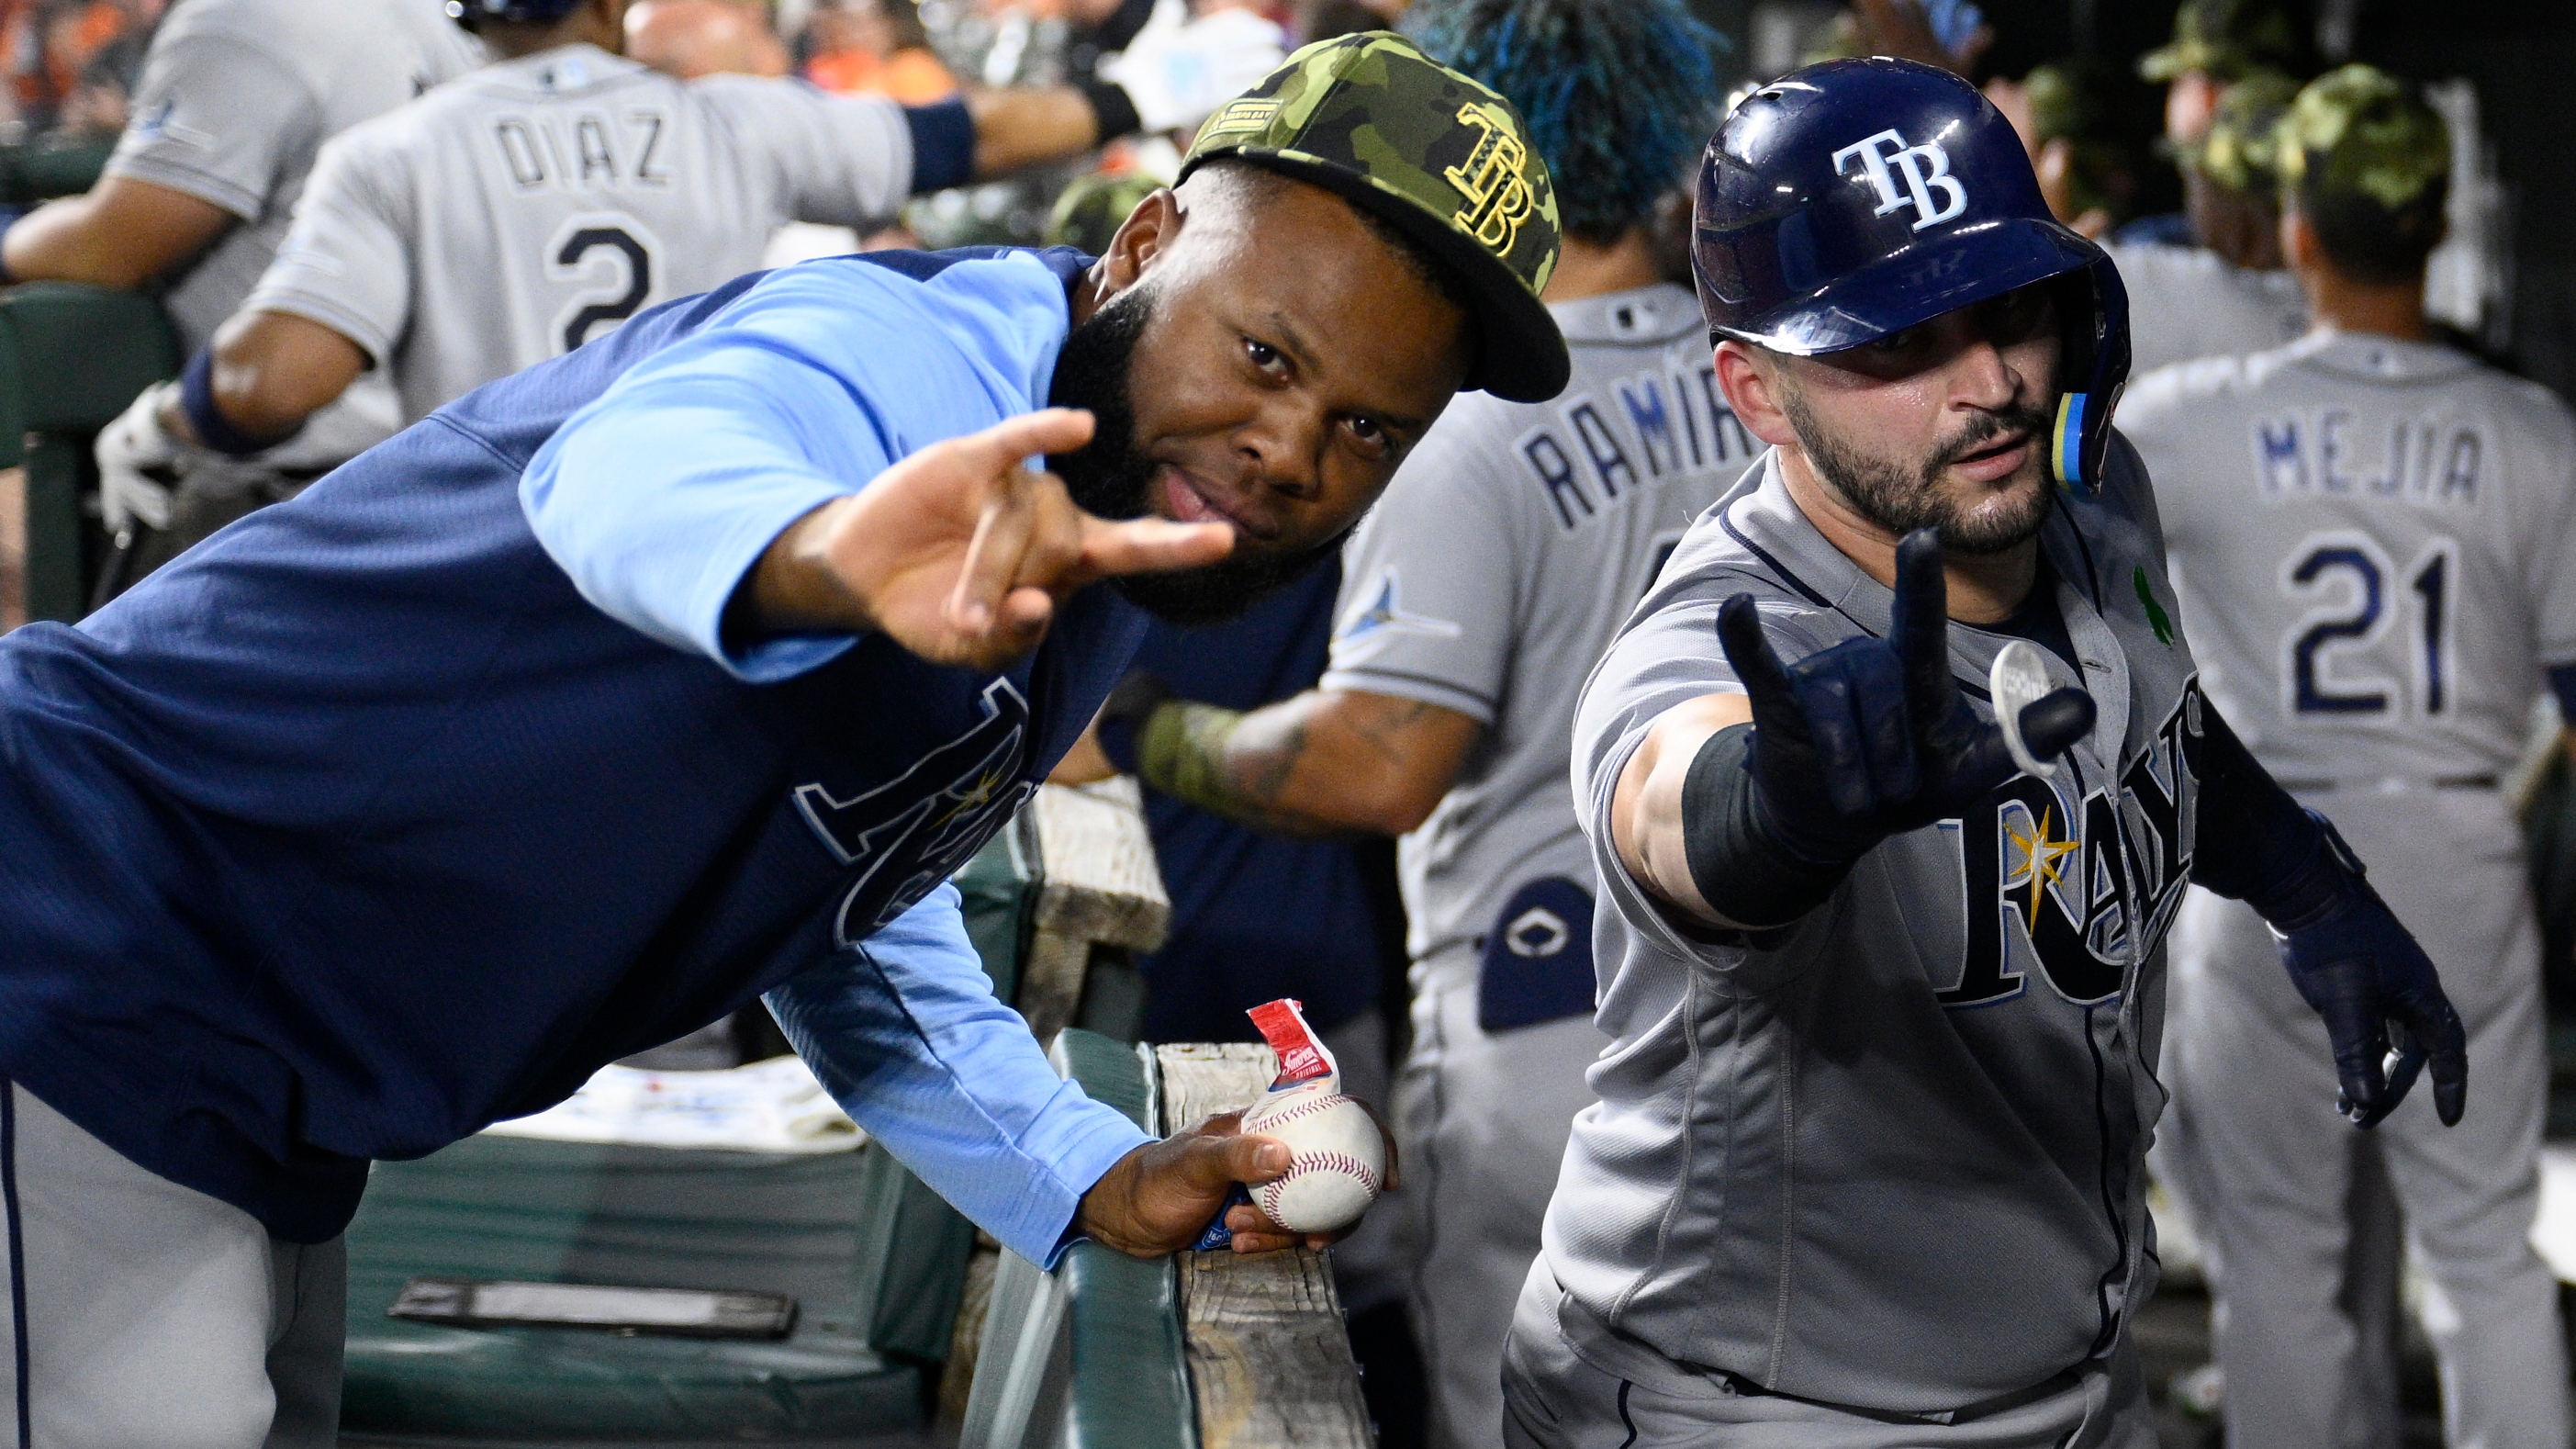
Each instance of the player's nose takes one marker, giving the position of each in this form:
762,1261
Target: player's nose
1980,376
1282,448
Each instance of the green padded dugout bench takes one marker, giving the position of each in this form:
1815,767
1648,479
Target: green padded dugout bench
71,359
42,170
829,1230
876,1262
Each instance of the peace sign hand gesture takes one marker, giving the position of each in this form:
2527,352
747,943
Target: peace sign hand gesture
1871,737
961,554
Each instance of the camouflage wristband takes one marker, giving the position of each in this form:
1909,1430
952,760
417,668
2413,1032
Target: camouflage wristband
1180,750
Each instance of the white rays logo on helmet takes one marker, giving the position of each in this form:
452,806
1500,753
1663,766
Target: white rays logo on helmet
1926,169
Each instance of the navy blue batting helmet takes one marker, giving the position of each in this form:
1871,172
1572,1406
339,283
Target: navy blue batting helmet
1857,198
470,13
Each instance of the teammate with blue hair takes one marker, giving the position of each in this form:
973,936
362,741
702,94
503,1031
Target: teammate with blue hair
1474,600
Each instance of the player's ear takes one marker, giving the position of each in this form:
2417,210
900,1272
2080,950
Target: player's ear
1751,382
1147,233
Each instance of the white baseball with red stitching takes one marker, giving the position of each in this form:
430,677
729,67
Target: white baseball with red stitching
1337,1162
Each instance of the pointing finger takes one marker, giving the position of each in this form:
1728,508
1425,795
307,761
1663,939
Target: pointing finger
1013,441
1757,667
992,563
2052,723
1150,545
1921,632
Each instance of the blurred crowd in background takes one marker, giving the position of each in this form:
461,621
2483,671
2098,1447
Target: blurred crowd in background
2114,101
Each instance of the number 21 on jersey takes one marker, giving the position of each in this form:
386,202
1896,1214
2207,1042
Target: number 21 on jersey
2357,598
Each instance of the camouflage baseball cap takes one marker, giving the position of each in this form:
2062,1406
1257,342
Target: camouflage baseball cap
1442,159
2242,150
2226,38
2360,131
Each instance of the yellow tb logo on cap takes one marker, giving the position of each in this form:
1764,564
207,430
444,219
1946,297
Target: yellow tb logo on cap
1498,195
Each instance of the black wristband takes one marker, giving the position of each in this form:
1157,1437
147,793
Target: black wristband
2254,843
1111,111
1742,868
206,418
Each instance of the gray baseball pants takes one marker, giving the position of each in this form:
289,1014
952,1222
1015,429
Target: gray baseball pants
1570,1383
2251,1071
1481,1122
145,1315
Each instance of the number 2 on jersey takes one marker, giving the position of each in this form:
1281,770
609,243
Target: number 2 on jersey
582,249
2348,574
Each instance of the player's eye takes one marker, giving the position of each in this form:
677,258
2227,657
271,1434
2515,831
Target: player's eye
1372,437
2019,316
1265,357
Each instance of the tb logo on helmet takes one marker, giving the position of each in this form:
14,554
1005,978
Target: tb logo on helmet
1926,168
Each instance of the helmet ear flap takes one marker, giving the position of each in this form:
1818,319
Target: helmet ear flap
2093,368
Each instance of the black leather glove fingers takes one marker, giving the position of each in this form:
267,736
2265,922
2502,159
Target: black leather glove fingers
1872,736
2383,1006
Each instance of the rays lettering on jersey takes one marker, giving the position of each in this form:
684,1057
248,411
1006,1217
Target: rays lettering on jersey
1678,422
2320,452
2085,888
928,820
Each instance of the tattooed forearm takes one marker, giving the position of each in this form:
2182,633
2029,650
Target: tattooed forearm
1324,763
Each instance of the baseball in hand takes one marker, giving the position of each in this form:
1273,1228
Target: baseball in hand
1337,1162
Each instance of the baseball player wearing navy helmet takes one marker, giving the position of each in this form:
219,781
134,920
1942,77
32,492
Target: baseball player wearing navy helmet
1882,960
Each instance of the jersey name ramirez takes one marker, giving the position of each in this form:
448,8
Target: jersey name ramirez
912,832
2085,889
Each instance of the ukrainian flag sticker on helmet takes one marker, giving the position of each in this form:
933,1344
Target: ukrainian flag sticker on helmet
2066,446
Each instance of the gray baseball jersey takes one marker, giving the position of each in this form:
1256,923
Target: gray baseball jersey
237,97
1498,565
2377,543
513,215
2184,303
1891,1156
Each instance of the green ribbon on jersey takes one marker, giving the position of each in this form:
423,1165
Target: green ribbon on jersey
2157,618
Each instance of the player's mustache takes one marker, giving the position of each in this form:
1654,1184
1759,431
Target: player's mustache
1981,431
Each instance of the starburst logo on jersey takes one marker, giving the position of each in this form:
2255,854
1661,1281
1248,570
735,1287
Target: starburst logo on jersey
1498,193
2084,906
2040,853
1925,169
1385,614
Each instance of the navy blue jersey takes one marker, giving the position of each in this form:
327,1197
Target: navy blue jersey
1255,917
359,827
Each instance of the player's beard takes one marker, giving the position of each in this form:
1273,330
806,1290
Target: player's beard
1109,476
1901,499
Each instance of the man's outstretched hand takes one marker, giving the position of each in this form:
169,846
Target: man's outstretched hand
959,552
1870,737
1162,1196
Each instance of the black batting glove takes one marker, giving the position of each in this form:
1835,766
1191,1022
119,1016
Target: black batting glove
1872,737
2363,973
